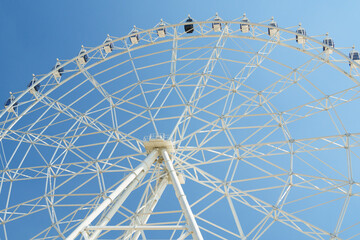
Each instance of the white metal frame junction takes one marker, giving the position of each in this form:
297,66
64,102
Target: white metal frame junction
159,148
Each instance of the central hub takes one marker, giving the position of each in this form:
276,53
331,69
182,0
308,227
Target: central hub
161,142
158,141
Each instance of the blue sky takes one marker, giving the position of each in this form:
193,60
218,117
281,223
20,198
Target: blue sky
35,33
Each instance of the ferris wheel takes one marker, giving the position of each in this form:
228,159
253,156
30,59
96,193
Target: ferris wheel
210,129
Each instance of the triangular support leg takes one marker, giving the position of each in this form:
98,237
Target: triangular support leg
131,180
119,195
143,213
189,216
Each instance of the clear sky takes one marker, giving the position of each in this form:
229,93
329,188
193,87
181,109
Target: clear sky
35,33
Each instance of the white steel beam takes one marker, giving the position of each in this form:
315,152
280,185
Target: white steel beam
115,207
96,84
137,228
143,167
184,236
143,213
189,216
205,76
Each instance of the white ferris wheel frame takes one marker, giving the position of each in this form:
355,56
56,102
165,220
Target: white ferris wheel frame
230,30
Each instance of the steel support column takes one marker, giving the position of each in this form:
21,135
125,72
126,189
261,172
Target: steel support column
141,227
115,207
141,170
143,213
189,216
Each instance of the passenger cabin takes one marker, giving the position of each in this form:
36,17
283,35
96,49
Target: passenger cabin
34,86
134,37
189,27
8,102
244,27
271,30
329,45
216,25
300,35
58,70
83,57
161,32
109,46
354,55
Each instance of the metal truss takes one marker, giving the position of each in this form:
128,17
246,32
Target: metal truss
260,139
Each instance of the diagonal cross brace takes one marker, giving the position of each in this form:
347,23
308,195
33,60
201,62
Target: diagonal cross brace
199,88
139,172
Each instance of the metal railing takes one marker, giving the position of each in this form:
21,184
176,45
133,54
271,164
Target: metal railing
154,136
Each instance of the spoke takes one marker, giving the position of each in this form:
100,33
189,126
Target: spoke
199,88
141,88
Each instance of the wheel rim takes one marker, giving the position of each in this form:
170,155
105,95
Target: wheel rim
262,151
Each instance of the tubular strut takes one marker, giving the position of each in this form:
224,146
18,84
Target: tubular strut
120,194
114,208
142,214
137,174
189,216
